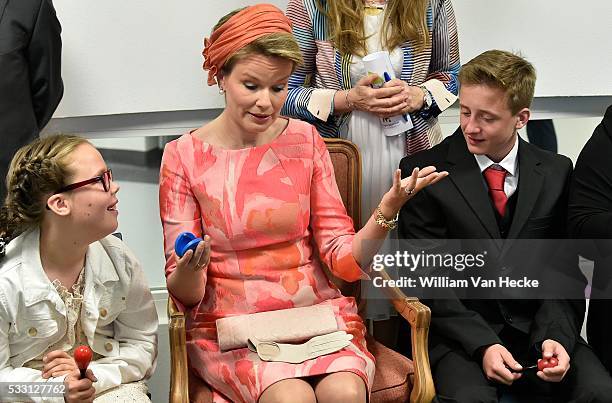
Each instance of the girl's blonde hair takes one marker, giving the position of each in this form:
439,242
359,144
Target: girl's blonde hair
37,170
404,21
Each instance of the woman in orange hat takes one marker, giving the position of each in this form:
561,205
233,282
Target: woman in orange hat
260,190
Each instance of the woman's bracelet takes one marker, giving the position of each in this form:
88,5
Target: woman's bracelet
350,105
383,221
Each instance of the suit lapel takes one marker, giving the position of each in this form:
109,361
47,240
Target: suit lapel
469,182
2,7
531,180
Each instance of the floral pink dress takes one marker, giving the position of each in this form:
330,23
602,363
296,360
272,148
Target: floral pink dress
269,210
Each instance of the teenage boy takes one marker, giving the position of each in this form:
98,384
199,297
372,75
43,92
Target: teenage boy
503,189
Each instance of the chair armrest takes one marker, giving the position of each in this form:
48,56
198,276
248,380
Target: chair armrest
179,375
418,316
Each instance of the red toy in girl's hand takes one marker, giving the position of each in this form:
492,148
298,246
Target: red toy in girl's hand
82,356
547,363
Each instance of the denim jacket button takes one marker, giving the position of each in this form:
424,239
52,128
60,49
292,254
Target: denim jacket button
32,332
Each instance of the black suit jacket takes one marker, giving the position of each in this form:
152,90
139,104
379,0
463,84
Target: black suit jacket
459,207
30,72
590,217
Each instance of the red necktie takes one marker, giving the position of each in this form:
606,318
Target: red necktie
495,177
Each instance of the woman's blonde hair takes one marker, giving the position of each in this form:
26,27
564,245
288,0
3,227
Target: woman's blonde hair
405,21
279,44
36,171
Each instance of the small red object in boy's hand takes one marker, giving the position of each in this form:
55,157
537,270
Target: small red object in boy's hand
82,356
547,363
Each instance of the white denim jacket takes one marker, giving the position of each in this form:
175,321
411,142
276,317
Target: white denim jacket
118,315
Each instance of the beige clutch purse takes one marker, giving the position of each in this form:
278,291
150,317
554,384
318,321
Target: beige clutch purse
282,326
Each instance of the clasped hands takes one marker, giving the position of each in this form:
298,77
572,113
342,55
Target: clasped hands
500,366
394,98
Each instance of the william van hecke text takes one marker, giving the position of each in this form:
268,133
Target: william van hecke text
446,282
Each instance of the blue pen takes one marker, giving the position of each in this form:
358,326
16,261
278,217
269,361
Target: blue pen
387,78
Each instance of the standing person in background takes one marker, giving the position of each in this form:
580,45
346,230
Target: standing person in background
542,134
590,217
332,89
30,74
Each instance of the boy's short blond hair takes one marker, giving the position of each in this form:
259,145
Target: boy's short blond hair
505,70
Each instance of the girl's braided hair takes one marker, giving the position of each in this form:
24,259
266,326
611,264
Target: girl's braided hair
36,171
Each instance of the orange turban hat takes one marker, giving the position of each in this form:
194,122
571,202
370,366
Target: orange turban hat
241,29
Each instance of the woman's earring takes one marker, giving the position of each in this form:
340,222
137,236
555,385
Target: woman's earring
221,90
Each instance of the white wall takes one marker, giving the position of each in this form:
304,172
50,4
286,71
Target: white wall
134,56
567,41
129,144
138,55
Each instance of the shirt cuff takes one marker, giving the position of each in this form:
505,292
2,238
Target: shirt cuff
443,97
320,103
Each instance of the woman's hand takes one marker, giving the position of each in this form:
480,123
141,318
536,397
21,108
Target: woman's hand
58,363
195,261
404,189
385,101
413,96
414,99
401,191
187,282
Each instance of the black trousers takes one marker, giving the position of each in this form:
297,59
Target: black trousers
542,134
7,150
599,329
3,172
460,379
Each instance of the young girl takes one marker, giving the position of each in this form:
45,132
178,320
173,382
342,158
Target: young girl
65,281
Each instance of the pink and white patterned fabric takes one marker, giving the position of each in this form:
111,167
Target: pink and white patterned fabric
270,211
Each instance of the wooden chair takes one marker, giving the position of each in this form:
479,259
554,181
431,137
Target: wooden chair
397,378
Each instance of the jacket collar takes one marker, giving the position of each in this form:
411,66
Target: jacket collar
3,4
468,180
607,121
39,286
529,188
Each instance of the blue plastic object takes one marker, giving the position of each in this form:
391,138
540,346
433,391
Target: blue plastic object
184,242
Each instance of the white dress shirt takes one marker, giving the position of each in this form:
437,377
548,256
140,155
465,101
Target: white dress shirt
509,163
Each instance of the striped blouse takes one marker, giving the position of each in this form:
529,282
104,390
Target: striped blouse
325,70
